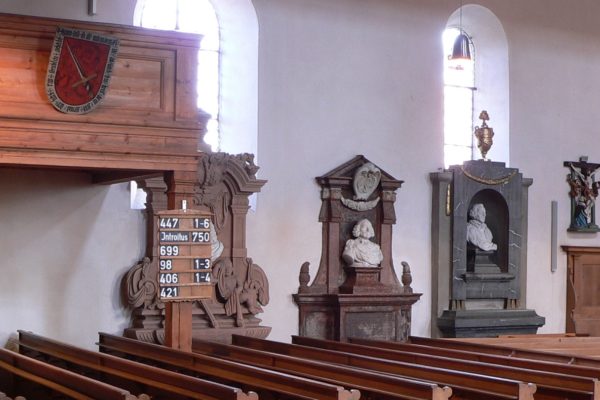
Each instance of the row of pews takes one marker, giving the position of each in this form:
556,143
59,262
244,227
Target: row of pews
307,368
571,345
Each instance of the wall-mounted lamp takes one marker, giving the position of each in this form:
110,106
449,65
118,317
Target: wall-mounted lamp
462,48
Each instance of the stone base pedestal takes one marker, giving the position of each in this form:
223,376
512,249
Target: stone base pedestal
488,323
364,280
340,316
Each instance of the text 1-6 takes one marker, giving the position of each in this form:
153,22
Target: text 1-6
201,223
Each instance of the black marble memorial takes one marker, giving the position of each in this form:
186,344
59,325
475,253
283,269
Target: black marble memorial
479,285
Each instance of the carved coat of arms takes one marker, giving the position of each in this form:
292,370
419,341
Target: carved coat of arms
79,71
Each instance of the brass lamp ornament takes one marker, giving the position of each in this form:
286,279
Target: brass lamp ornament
484,135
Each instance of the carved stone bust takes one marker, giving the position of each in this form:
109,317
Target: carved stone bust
478,234
361,251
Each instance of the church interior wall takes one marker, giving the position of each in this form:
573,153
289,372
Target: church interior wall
335,79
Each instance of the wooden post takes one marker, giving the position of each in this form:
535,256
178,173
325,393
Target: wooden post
178,325
178,315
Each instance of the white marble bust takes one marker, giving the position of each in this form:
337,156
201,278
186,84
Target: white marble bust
478,234
362,252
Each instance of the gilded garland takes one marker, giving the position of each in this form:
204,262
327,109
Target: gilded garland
485,181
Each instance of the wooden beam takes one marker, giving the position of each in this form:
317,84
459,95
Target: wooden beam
119,176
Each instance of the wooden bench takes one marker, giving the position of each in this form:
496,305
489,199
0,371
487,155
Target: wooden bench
540,365
505,351
465,384
549,383
588,346
372,384
23,375
155,381
261,380
373,373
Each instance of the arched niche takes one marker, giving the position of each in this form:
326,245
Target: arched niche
497,220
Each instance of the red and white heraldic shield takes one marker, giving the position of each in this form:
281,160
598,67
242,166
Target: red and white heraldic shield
79,71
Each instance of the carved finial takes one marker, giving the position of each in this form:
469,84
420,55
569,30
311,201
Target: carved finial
483,115
304,277
484,135
406,277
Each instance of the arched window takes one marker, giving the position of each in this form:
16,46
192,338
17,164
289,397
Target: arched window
194,16
229,74
459,88
470,88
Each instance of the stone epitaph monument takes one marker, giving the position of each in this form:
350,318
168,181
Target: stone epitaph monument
356,292
479,249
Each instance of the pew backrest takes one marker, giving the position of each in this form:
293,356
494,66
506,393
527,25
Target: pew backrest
289,386
65,382
548,382
153,378
384,346
371,383
506,351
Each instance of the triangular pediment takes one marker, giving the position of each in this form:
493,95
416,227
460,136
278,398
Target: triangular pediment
344,174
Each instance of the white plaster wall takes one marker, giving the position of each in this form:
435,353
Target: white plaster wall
344,77
554,54
64,245
336,78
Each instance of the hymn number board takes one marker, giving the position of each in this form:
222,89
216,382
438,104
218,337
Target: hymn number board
184,252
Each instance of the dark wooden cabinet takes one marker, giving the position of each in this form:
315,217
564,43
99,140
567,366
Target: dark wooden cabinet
583,294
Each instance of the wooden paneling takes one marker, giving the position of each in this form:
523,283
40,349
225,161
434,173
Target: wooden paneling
583,290
147,121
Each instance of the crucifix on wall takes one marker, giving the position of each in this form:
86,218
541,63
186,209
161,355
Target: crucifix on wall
583,193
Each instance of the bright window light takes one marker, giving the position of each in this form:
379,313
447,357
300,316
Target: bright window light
194,16
459,86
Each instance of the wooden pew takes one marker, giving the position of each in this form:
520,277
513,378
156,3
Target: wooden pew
158,382
276,384
367,371
372,384
540,365
588,346
25,374
505,351
550,384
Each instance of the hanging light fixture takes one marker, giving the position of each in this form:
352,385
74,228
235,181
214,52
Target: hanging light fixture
462,48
